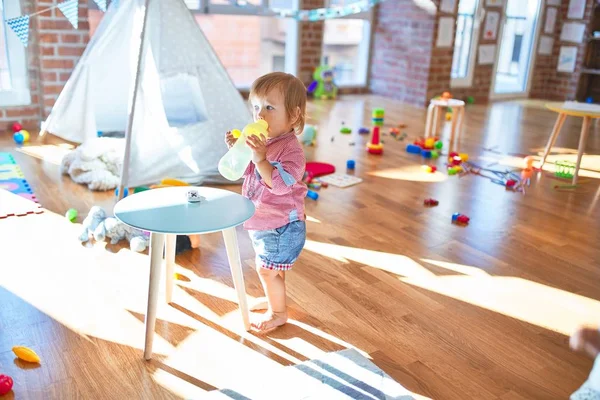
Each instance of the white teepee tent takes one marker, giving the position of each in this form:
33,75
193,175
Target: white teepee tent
184,101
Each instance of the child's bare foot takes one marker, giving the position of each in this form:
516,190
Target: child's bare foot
266,322
259,304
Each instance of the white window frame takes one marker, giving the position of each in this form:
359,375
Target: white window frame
467,81
364,50
292,40
19,94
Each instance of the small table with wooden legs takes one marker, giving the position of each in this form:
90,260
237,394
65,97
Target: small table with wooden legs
167,212
585,127
433,117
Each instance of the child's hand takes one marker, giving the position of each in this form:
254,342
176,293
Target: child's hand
258,144
229,139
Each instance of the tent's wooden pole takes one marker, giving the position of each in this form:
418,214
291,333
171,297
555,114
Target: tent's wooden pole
125,170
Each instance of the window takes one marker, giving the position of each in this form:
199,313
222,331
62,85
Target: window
249,45
465,43
14,80
346,43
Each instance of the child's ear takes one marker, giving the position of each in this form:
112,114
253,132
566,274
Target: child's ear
296,116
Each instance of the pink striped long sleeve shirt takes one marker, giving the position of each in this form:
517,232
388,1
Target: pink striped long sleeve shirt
284,202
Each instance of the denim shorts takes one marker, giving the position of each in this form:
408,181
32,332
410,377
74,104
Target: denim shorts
279,248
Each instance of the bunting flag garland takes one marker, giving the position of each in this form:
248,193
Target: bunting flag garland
101,5
20,25
70,9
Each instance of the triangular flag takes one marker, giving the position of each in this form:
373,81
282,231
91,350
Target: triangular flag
21,27
101,5
70,9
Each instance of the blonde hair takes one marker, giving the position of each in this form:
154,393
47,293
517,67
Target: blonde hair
293,91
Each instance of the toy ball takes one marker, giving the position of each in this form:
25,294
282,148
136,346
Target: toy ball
434,154
71,215
464,157
16,127
448,116
25,135
350,164
6,384
18,137
470,100
429,142
439,144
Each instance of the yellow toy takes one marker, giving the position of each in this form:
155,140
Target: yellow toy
168,182
26,354
233,164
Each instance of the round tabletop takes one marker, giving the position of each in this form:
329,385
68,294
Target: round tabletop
447,103
561,109
167,210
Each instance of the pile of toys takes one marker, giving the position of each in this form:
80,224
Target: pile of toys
314,184
426,147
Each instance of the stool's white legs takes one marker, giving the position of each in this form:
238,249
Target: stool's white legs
552,139
235,264
157,241
585,128
429,122
170,261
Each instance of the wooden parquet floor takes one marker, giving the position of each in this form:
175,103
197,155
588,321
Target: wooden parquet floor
476,312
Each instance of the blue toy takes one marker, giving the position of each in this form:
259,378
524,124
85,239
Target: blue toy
19,138
126,192
350,164
413,149
312,195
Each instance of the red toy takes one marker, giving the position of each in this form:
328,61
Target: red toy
431,202
6,384
16,127
460,219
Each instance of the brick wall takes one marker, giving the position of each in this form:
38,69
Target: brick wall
27,115
548,83
61,45
53,50
311,42
401,50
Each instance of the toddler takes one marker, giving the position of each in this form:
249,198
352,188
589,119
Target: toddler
273,181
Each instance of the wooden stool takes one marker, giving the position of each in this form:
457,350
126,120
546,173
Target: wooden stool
585,127
433,117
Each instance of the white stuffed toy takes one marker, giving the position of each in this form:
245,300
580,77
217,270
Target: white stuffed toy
90,224
101,227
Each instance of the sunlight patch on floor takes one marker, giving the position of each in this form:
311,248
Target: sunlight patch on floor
50,152
532,302
412,173
590,164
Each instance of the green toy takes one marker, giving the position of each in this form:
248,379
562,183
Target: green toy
323,86
71,215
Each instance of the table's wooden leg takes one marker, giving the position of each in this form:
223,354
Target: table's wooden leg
436,120
552,139
157,241
455,118
235,264
429,122
170,261
585,128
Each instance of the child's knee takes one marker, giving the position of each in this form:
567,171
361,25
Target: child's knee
267,273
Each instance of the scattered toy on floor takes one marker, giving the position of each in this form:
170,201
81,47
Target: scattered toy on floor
99,226
6,384
429,168
460,219
71,214
430,202
378,116
26,354
308,136
350,164
363,131
312,195
375,146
